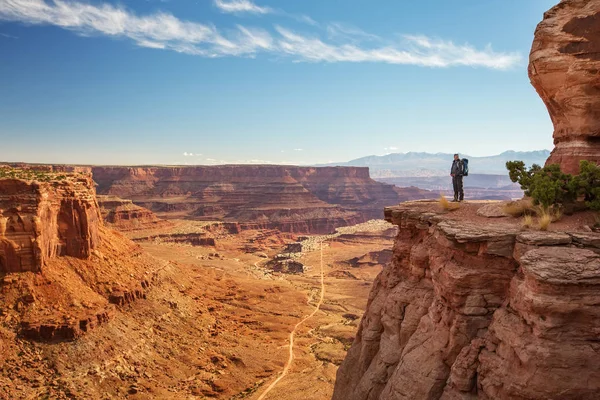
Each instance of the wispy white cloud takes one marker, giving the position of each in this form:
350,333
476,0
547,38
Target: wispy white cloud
392,148
248,7
6,35
346,32
165,31
158,31
413,50
298,149
305,19
241,6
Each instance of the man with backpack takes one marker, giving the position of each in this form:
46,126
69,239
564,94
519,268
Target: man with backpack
457,171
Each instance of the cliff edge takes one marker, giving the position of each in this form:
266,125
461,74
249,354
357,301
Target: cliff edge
478,309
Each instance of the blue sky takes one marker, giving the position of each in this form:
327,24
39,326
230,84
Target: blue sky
240,81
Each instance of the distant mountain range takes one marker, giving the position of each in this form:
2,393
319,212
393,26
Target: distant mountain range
414,164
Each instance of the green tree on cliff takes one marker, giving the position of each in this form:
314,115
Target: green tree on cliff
547,186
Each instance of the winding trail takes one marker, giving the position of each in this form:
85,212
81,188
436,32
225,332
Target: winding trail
293,333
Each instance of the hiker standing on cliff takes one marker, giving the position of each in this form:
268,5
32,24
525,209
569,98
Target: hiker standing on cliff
457,172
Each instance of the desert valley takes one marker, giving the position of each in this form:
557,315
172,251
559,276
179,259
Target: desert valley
355,280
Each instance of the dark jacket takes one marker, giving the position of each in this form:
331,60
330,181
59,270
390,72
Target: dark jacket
457,167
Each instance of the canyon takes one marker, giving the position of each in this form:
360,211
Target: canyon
287,198
249,281
134,305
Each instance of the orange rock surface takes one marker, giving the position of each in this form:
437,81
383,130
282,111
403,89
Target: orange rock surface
42,220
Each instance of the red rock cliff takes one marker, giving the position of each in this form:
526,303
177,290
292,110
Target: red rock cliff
296,199
41,220
473,310
564,67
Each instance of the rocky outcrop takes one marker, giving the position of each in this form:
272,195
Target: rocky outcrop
44,219
372,258
292,199
60,267
125,216
478,310
563,67
194,239
285,265
57,330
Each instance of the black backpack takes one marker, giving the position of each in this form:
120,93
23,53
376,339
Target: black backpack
465,163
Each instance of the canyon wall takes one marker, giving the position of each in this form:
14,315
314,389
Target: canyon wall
293,199
41,220
564,67
472,310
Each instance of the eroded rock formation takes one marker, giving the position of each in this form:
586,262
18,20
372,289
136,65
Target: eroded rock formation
60,267
125,216
478,310
564,68
41,220
292,199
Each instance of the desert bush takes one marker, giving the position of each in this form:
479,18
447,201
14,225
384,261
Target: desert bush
547,186
446,205
587,184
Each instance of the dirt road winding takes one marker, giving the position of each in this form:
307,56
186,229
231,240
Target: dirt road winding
293,333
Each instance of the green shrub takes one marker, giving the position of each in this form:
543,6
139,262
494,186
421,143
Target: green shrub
546,186
551,188
587,184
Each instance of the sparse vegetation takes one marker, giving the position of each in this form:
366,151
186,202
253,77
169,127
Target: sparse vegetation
527,221
544,221
29,174
446,205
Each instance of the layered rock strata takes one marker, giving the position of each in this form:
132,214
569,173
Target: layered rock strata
41,220
123,215
60,267
564,66
478,310
292,199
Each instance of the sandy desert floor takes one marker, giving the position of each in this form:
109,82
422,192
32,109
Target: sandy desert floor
320,342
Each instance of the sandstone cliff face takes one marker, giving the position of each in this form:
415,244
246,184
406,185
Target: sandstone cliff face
564,67
293,199
471,310
125,216
61,271
41,220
